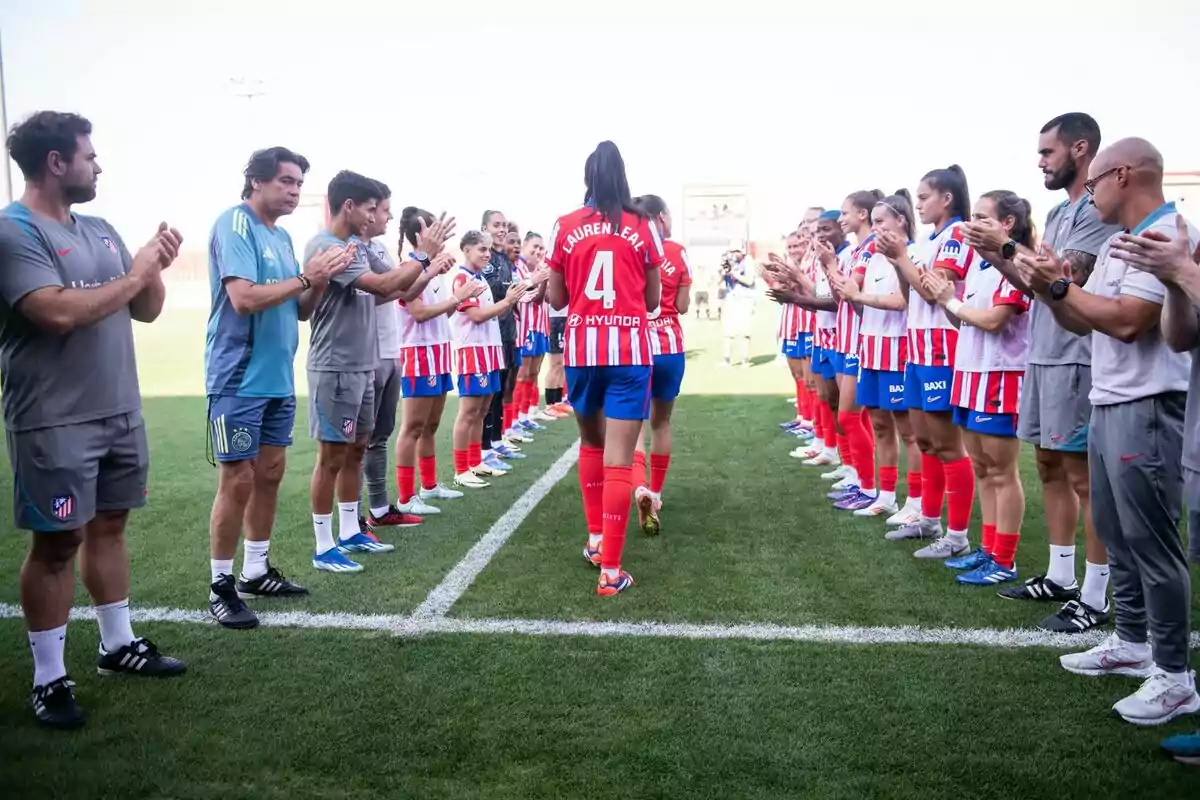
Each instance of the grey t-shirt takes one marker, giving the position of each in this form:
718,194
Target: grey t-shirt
387,315
1122,373
342,330
1069,226
88,374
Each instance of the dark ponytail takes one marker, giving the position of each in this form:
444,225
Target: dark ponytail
865,200
651,205
410,223
1009,204
953,181
900,204
607,186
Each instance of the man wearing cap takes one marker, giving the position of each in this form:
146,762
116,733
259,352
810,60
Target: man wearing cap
738,273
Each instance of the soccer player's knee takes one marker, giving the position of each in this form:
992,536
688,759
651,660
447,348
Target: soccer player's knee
269,472
55,551
414,429
237,480
1050,467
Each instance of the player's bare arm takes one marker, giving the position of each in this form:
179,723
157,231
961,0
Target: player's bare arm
653,288
1082,265
988,237
479,314
991,320
247,297
556,291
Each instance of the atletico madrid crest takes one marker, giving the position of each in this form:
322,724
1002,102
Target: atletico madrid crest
63,506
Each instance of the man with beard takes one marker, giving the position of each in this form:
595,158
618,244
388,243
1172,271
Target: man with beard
72,407
498,273
1054,400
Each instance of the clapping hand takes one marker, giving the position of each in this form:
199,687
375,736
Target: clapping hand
1158,254
941,289
1043,269
432,238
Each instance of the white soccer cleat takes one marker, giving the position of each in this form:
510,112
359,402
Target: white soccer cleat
539,415
847,480
803,452
877,509
1161,698
909,514
1110,657
824,459
942,548
842,472
418,507
469,480
514,435
440,492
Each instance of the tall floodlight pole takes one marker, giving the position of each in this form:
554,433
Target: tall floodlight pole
8,193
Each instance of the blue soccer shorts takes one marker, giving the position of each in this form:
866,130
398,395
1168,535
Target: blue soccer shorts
238,426
621,392
427,386
667,376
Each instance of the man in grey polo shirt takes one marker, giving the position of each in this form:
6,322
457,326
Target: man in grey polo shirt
343,352
1054,397
1135,439
69,291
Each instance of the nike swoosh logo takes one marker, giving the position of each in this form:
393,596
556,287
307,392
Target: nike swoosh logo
972,294
933,399
877,280
65,252
983,419
1107,663
1132,457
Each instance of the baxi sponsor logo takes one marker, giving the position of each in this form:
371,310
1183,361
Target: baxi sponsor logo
934,386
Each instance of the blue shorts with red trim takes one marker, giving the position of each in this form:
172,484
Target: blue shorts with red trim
621,392
536,344
800,347
987,423
427,386
479,384
666,376
846,363
881,389
928,388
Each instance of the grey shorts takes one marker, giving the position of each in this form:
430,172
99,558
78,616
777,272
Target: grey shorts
341,406
1054,407
387,398
65,474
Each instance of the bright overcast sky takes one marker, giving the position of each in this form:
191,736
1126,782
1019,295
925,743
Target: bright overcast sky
467,106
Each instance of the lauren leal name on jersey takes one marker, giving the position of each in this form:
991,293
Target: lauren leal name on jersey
601,229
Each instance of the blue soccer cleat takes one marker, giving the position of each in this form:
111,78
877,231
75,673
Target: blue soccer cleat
332,560
970,561
361,543
1184,747
988,574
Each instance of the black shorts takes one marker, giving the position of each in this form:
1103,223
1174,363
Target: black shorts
558,335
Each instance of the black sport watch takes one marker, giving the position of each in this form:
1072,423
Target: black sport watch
423,259
1058,289
1009,250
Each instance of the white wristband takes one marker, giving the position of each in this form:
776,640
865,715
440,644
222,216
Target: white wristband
953,305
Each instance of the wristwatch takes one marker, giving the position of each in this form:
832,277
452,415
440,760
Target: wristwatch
423,258
1008,250
1058,289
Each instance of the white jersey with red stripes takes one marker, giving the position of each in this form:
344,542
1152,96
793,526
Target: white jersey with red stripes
826,321
847,318
666,332
989,367
884,342
789,322
931,337
809,267
477,346
425,346
535,316
604,267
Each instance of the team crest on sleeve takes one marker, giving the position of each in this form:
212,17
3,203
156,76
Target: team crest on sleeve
62,506
109,243
348,426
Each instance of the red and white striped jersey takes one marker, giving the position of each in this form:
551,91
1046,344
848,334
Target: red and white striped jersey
988,392
604,267
826,321
847,318
789,322
931,337
534,316
810,267
477,346
666,334
884,343
425,346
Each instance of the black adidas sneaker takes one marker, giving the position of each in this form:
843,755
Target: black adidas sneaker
1074,617
139,657
270,584
227,608
54,704
1040,588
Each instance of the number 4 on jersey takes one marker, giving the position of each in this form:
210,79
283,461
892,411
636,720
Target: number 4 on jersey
599,284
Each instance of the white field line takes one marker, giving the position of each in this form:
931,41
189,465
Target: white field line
459,579
411,626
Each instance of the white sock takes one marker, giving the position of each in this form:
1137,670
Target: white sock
817,444
48,647
323,528
254,559
1062,565
379,512
1095,586
852,476
957,538
831,452
220,566
594,540
115,630
931,522
347,520
886,498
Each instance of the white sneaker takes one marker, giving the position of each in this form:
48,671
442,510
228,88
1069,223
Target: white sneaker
419,507
877,509
850,479
514,435
802,452
541,416
1160,699
909,514
1110,657
823,459
511,444
942,547
469,480
838,474
440,492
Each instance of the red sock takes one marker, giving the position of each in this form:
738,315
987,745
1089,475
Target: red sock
989,538
475,454
637,473
531,397
521,398
801,401
617,490
888,476
406,480
591,485
1005,549
659,464
509,414
866,421
862,450
914,485
960,493
428,466
818,419
462,461
933,487
843,448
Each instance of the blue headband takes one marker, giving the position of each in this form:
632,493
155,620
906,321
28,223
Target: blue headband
832,214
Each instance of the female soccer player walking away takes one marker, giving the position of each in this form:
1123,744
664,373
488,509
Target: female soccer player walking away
854,488
942,201
666,344
883,354
425,375
478,357
604,260
533,330
989,365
